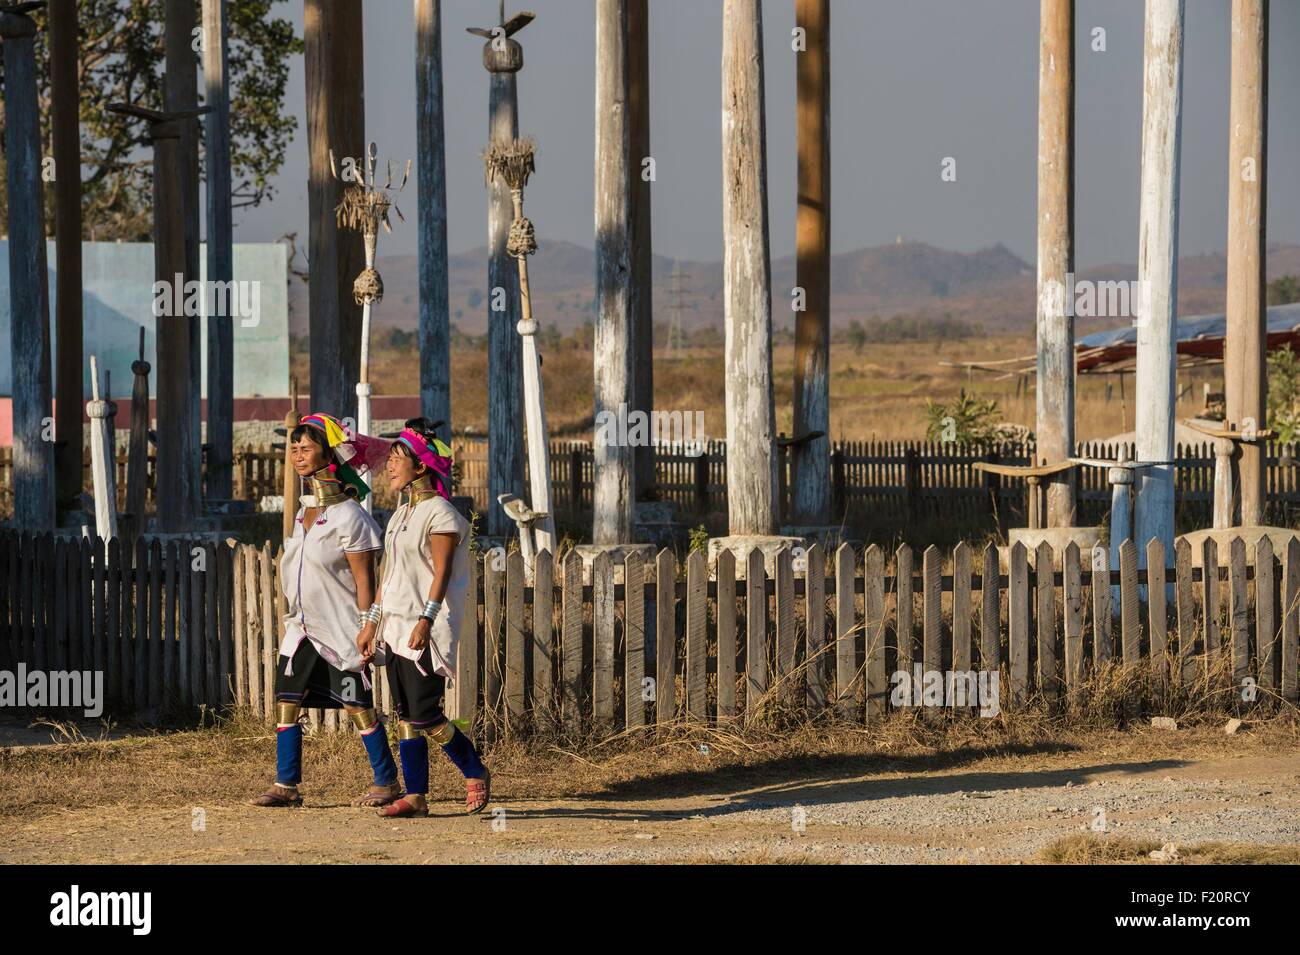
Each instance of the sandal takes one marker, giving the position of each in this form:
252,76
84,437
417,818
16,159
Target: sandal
278,797
478,792
402,808
377,796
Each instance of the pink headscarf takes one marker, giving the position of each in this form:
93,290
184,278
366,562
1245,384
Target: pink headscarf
437,458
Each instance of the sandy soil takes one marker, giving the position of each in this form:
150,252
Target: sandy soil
998,804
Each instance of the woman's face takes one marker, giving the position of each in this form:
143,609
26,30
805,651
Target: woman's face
307,456
400,468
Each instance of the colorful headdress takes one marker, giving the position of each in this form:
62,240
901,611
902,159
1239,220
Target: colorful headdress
435,455
353,454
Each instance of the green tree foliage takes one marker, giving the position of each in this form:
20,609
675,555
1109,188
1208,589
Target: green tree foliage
1284,393
1284,290
120,44
967,419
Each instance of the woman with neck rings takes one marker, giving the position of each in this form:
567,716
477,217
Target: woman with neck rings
327,574
416,624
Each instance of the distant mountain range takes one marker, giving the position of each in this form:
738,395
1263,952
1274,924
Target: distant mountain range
992,287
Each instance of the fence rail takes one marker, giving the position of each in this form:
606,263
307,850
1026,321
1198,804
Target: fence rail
176,626
891,482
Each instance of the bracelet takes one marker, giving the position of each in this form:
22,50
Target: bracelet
431,608
370,615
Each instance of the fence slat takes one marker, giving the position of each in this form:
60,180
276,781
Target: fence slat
1157,609
240,628
904,636
786,645
725,571
1238,611
815,628
990,612
665,636
1186,610
464,689
1072,604
1129,600
140,578
1102,619
180,683
99,642
697,651
157,632
1291,623
571,643
961,607
119,664
1044,567
515,674
1210,598
1018,621
931,615
1266,630
210,639
273,600
846,662
493,620
755,631
253,626
634,640
602,634
226,635
873,626
543,638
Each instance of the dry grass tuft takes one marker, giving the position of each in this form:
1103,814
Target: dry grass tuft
1088,849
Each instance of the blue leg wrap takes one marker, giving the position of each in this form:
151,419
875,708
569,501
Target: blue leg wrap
381,757
415,764
288,755
462,752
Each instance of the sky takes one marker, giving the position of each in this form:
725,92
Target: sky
912,82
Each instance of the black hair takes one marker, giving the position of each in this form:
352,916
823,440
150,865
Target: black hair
307,431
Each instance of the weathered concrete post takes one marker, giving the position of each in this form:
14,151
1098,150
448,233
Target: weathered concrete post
332,31
431,218
65,129
1158,271
811,489
503,57
613,515
29,297
1244,370
747,279
220,252
641,309
1055,398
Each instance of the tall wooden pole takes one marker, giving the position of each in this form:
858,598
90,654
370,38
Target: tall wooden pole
1244,368
505,348
747,279
1055,421
642,310
1158,271
431,176
811,491
29,296
332,33
613,516
220,250
66,132
180,93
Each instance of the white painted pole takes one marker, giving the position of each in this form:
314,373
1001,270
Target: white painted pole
1158,271
363,385
102,466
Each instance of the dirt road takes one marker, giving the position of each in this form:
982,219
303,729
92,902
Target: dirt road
995,804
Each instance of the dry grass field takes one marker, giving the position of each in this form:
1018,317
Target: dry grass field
878,392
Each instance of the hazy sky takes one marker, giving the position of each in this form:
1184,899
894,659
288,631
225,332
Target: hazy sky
913,81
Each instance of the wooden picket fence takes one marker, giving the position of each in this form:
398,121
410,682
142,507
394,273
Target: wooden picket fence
179,626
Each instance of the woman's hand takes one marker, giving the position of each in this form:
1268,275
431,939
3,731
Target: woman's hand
420,634
366,641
